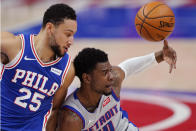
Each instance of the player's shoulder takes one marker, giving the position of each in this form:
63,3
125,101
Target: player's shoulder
70,120
70,115
7,34
10,36
71,110
10,40
10,45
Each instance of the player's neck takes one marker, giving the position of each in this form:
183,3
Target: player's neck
89,99
42,48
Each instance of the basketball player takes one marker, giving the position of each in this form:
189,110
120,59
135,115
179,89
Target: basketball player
36,71
95,106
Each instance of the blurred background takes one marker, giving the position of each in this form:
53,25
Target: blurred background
109,25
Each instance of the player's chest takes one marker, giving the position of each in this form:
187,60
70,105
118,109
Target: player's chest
45,80
105,117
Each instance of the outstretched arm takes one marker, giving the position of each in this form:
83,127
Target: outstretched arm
138,64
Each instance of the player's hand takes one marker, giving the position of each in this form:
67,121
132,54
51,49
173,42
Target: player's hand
169,55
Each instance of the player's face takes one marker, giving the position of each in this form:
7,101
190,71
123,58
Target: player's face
102,78
62,37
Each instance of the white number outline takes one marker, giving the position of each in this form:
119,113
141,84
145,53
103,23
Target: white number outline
36,101
20,99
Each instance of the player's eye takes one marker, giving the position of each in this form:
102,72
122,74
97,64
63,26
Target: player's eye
67,34
105,72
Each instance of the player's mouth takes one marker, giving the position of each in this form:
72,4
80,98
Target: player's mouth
65,49
108,86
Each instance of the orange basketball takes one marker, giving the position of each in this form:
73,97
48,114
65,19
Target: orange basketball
155,21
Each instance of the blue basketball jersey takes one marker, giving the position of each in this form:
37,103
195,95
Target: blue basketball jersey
27,88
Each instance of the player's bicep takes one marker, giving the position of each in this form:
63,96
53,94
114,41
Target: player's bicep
118,77
69,121
62,91
69,77
10,46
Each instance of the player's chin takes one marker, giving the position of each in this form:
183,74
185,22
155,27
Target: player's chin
62,53
108,91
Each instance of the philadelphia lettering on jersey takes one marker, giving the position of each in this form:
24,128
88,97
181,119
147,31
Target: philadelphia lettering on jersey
29,77
107,117
28,86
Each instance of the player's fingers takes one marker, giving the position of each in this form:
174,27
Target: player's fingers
171,67
165,44
174,62
175,59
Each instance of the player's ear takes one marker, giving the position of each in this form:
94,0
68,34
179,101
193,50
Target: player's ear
86,78
50,28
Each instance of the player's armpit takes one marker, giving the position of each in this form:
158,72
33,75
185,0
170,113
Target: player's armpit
69,121
4,58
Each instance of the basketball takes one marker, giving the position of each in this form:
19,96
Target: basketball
154,21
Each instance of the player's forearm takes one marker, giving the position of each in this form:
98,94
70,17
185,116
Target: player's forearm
159,56
137,64
52,121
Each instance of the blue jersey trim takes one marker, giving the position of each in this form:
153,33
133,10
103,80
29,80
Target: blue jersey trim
77,112
125,115
75,95
115,96
133,124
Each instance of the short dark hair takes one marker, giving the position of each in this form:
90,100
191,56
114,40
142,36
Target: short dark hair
86,60
57,13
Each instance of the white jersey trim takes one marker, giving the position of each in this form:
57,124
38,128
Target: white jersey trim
2,68
46,117
37,57
66,70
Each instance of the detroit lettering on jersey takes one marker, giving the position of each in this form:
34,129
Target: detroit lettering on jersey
104,121
29,77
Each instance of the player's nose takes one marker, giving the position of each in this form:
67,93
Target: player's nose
70,41
110,76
